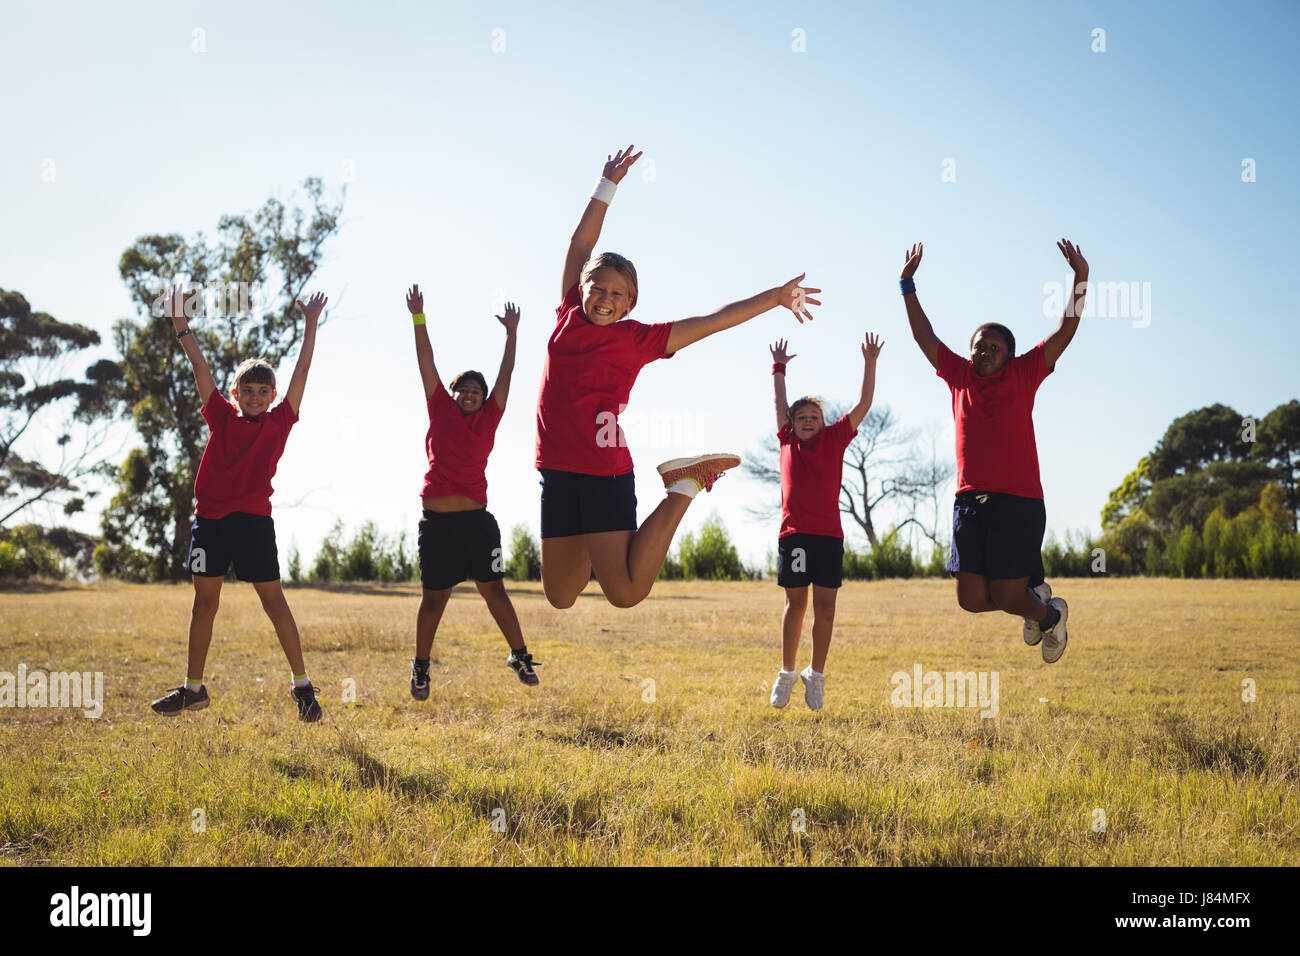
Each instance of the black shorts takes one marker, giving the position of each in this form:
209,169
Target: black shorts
586,504
454,545
999,536
810,559
247,540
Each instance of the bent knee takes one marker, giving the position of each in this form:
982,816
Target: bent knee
561,602
970,602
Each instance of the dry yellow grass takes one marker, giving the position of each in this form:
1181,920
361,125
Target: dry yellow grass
1143,718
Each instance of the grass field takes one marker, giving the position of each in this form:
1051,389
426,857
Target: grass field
1142,719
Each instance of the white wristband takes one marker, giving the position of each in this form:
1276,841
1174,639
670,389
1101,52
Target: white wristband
604,190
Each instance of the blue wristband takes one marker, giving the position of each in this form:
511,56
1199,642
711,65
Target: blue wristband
907,285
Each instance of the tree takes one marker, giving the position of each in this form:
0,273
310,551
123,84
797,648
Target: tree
711,556
271,254
525,555
1278,442
1197,439
34,348
882,467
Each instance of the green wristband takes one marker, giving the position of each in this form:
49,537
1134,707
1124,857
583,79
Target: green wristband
417,318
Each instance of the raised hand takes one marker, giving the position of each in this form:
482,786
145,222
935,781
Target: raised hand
312,310
415,299
1074,256
911,260
778,351
871,348
616,168
511,319
795,298
182,305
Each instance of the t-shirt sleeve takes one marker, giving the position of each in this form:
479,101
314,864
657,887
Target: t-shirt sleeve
1031,368
951,368
439,402
785,434
572,300
218,410
649,341
842,434
285,415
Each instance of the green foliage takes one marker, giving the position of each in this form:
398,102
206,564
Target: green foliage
1071,559
25,552
273,253
370,556
295,566
711,556
33,348
525,562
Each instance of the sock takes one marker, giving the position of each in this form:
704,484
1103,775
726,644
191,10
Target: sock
422,661
300,680
814,673
786,673
1049,622
193,685
519,651
686,486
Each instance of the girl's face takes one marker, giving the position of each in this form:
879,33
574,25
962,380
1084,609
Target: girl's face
989,352
469,397
253,399
808,422
606,297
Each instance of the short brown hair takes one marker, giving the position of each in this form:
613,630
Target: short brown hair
254,372
1001,330
612,260
470,376
808,400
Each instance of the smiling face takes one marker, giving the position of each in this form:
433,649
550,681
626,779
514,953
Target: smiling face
807,421
990,352
469,397
606,297
253,398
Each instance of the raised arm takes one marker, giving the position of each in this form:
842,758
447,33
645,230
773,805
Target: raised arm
423,349
922,331
502,386
870,352
1055,343
780,358
298,383
587,234
179,307
791,295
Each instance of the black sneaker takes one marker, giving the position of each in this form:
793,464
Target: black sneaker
419,679
308,707
181,699
522,665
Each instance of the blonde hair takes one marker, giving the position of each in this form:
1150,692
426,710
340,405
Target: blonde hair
254,372
612,260
808,400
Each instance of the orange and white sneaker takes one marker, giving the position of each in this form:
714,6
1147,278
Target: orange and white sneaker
690,476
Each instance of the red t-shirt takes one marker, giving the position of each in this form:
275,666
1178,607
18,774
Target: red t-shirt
810,479
585,385
995,426
240,458
458,446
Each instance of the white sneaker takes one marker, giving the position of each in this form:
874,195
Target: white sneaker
1054,638
1032,634
814,685
781,687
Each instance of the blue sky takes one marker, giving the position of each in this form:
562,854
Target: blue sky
471,168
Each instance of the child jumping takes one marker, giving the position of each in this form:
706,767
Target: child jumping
998,517
592,359
232,493
458,536
811,542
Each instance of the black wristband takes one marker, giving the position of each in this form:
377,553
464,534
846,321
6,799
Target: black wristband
181,334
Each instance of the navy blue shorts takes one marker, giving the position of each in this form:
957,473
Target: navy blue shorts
246,540
586,504
455,545
999,536
805,559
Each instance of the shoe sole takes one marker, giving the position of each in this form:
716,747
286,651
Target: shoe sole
1065,636
177,713
677,463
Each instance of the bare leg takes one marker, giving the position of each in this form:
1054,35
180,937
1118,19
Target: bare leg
432,604
566,569
503,612
973,592
207,597
277,609
1013,596
823,624
796,603
628,562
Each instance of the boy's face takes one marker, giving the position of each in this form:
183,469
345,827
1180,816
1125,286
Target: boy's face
469,397
989,352
808,422
253,399
606,297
